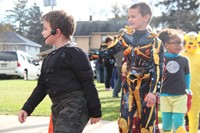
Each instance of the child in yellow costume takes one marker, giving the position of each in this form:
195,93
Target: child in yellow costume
192,51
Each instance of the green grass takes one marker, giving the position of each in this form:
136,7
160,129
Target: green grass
110,106
15,92
13,95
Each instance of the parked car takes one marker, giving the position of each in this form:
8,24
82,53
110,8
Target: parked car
19,64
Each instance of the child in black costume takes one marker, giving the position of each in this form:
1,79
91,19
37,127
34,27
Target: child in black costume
67,78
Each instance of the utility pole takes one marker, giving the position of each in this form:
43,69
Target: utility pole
51,3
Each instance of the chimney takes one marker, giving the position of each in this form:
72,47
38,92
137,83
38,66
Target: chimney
90,18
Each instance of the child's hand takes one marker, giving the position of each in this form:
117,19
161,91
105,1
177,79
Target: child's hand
22,116
150,99
95,120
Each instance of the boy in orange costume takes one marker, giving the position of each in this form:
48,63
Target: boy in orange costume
141,71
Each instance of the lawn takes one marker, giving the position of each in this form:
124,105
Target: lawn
15,92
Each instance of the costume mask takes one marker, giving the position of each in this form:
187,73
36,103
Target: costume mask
190,43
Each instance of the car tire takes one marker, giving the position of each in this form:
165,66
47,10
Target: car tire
25,74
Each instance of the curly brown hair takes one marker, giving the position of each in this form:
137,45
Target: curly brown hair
166,34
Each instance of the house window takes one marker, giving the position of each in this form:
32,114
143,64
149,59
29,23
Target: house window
21,57
103,37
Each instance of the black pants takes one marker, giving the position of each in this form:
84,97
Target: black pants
109,68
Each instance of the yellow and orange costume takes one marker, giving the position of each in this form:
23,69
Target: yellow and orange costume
141,74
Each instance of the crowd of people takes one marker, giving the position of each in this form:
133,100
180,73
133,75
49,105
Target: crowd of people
165,71
151,69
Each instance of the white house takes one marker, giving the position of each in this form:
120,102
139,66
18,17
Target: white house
13,41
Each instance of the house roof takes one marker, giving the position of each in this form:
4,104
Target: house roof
84,28
12,38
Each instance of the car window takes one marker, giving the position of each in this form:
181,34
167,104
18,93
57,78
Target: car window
21,57
8,56
30,60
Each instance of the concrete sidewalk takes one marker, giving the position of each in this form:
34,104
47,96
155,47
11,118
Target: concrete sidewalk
10,124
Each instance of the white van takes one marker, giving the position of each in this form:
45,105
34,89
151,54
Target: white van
18,64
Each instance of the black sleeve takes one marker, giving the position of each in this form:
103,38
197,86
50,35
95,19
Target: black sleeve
81,66
37,95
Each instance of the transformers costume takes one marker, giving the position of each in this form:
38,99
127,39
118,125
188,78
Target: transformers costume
192,51
141,73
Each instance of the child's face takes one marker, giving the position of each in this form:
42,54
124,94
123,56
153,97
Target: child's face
46,33
136,20
174,45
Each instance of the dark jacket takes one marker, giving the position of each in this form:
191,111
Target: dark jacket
65,70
